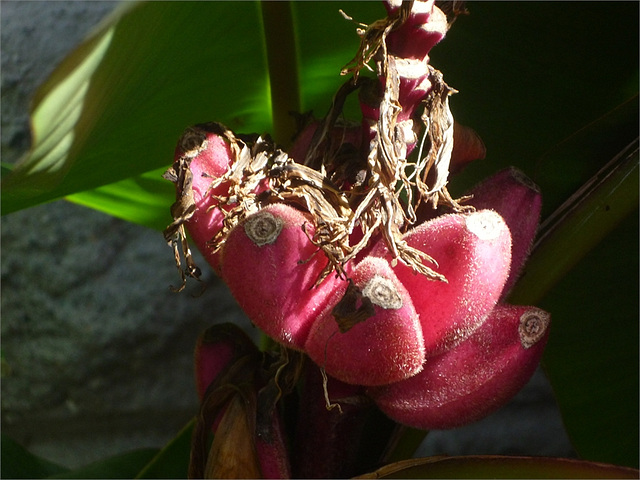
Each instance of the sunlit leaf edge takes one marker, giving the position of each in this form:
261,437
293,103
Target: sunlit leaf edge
496,466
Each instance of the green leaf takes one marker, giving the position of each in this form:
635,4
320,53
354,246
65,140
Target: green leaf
164,66
326,43
173,460
592,355
584,270
495,466
125,465
116,106
142,199
580,224
6,169
18,462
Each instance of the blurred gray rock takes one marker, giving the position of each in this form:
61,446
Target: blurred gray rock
99,350
93,336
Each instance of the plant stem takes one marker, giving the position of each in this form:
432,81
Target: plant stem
282,60
579,225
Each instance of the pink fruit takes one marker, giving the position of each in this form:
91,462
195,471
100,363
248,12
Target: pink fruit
518,200
473,379
473,252
271,268
202,155
383,348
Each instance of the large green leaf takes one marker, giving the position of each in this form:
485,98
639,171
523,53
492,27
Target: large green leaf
116,106
18,462
173,460
592,354
143,199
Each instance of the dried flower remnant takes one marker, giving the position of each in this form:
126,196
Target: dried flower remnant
341,199
202,152
533,327
391,125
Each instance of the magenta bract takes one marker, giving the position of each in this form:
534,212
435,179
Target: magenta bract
217,349
229,380
327,439
424,28
339,137
475,378
467,147
272,452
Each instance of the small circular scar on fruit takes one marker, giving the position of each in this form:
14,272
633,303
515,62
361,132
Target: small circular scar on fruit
533,325
382,292
263,228
485,224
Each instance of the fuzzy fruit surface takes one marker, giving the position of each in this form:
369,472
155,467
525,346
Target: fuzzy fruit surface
384,348
473,252
475,378
274,280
